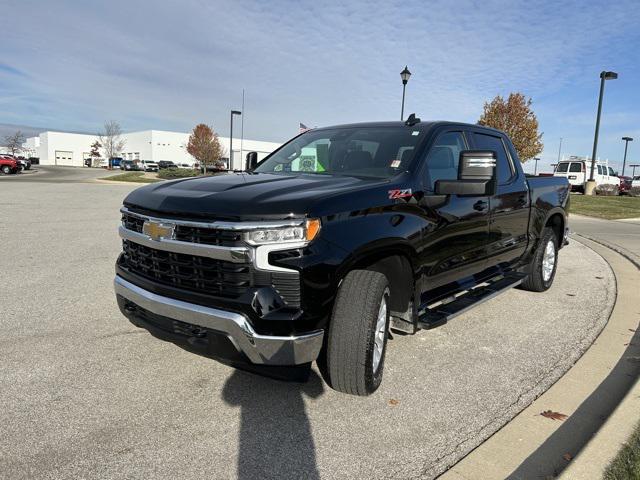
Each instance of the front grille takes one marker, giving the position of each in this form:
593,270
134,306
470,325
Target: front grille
188,272
202,274
186,233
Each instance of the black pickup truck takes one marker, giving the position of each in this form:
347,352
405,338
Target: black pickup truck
340,235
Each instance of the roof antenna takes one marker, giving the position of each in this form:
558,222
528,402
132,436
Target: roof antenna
412,120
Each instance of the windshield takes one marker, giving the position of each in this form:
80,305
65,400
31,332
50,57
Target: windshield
378,152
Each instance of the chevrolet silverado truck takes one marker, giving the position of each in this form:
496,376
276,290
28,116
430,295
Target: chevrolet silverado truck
341,235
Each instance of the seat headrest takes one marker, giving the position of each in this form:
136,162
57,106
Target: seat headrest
357,159
406,157
441,157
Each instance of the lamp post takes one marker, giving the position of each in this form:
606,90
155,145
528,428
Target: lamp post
535,168
404,75
626,144
559,149
233,112
633,174
591,184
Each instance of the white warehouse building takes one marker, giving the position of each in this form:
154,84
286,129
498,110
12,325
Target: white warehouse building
71,149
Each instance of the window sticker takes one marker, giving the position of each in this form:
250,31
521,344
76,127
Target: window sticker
415,133
395,163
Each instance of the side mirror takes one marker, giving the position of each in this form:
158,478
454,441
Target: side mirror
252,160
476,175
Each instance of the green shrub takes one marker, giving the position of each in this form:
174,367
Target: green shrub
172,173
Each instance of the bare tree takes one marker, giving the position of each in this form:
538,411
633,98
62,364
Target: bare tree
13,143
111,140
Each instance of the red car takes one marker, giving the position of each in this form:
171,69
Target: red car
625,184
8,165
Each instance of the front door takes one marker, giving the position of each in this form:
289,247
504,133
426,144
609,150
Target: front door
509,207
454,245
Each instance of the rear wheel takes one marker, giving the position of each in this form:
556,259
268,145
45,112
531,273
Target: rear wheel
544,263
358,332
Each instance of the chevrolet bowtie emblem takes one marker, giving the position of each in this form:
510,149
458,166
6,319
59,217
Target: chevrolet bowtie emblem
157,230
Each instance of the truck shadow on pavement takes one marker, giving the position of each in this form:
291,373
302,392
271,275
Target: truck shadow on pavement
592,413
275,432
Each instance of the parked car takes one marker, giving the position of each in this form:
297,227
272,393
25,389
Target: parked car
578,171
130,165
116,162
635,183
149,166
166,164
185,166
625,184
24,163
8,165
339,235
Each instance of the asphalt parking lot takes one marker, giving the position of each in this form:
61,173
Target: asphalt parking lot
87,395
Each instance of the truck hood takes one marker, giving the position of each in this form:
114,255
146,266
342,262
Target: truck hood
245,196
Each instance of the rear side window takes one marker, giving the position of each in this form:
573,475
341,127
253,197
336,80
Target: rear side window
562,167
575,167
599,170
490,142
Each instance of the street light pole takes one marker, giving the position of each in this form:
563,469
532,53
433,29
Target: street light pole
559,149
591,184
233,112
626,144
404,75
535,168
634,169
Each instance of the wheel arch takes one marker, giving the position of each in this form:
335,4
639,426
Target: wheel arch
397,263
556,221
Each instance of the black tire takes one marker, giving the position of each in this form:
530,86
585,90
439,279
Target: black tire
6,169
349,357
536,281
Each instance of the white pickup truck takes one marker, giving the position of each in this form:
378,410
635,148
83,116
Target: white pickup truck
577,171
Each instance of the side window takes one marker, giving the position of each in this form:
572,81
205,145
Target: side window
443,157
489,142
611,172
599,169
575,167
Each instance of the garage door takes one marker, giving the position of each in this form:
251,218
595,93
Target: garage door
64,158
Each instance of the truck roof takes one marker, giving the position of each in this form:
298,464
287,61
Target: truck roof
422,125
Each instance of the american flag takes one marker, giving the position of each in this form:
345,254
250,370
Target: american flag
303,128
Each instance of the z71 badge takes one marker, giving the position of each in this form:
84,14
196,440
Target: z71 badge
400,193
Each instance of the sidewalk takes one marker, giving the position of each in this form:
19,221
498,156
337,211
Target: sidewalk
623,236
596,395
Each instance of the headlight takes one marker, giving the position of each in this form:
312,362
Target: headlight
302,233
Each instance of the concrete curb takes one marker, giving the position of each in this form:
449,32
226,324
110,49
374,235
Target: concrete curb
632,257
104,181
598,395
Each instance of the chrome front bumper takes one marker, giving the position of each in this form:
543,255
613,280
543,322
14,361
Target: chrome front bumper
259,349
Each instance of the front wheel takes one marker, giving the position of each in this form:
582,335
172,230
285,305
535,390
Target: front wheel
358,332
544,263
6,169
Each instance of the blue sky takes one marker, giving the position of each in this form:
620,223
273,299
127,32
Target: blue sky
171,64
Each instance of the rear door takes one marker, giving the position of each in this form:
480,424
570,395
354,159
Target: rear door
509,207
455,247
